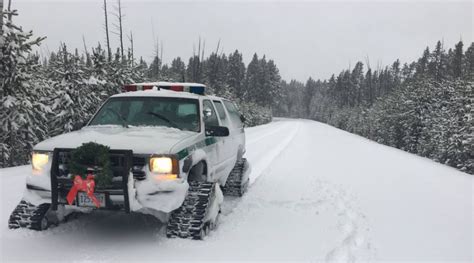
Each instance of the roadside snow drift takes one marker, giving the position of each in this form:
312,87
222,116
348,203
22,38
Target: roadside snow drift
316,193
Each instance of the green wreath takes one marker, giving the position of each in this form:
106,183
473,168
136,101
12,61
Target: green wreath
92,156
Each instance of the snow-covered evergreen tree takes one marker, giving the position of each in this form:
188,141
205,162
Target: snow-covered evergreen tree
22,111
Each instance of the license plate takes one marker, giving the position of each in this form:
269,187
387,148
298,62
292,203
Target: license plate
84,200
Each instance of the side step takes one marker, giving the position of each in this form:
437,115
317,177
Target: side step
238,180
27,215
188,221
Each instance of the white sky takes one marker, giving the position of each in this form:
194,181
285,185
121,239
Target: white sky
304,38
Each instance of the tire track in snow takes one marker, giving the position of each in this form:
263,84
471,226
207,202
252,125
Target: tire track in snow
256,139
260,157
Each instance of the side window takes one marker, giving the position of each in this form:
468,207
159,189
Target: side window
220,111
211,118
234,113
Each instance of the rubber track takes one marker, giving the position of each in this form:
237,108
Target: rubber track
234,185
27,215
188,220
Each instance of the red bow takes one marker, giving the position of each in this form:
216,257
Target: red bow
86,185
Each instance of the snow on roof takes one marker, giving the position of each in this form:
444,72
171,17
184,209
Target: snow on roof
166,83
158,93
214,97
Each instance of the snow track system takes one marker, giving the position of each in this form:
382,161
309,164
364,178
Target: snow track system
27,215
190,220
238,180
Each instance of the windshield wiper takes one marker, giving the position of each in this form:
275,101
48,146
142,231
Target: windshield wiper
165,119
124,121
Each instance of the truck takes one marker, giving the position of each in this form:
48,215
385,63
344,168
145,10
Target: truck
161,148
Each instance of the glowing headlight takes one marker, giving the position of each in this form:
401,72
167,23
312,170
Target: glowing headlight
39,160
164,168
162,165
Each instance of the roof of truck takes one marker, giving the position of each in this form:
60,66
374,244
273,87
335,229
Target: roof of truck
166,83
158,93
166,89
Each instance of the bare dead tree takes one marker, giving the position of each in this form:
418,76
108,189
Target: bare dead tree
109,51
85,46
156,52
9,10
367,61
119,27
203,48
218,45
1,17
130,38
198,66
161,52
199,48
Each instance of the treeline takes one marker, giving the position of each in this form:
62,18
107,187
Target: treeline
424,107
256,88
46,96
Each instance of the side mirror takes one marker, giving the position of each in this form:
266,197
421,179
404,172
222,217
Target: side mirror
218,131
207,112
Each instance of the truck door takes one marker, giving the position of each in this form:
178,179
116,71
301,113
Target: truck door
230,147
238,126
219,156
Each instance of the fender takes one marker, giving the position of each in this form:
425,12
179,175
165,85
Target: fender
200,156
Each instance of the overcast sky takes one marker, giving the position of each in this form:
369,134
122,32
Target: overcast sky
304,38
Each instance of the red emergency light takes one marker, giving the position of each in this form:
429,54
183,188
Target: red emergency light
196,88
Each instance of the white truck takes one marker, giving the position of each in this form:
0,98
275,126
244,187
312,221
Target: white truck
173,153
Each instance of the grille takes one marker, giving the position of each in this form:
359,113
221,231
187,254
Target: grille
121,164
138,167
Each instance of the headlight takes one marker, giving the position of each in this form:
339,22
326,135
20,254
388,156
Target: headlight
38,161
164,168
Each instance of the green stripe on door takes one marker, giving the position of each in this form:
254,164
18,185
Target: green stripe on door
188,150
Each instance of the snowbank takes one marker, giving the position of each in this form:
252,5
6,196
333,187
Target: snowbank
318,193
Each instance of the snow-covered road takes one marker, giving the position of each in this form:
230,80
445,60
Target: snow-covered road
317,193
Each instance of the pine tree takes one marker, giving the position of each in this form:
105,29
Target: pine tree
73,100
21,108
154,69
422,64
308,94
236,74
178,70
252,83
468,72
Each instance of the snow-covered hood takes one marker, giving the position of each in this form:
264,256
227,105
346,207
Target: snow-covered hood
141,140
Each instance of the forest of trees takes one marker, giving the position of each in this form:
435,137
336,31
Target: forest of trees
423,107
46,96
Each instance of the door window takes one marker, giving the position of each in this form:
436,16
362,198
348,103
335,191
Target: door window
210,116
220,111
233,112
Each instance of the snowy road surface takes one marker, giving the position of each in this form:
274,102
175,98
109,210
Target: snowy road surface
317,193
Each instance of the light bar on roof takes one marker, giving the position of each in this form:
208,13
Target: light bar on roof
191,89
179,88
136,87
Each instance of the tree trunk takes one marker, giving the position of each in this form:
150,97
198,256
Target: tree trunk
1,17
9,9
109,51
120,27
131,48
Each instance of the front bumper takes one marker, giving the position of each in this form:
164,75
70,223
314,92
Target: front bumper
129,193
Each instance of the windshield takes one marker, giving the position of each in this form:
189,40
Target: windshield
149,111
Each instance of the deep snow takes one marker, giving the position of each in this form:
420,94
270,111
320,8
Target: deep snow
316,193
